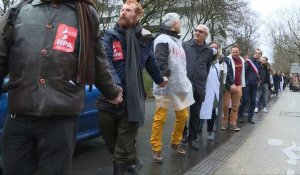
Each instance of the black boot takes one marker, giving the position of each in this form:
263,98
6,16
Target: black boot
250,120
120,168
134,169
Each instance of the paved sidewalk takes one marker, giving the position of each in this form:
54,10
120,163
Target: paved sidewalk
271,146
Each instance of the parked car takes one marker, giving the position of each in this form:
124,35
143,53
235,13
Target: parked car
88,125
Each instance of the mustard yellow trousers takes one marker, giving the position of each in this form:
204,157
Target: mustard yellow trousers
158,124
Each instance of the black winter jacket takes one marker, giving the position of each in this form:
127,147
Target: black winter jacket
251,77
198,65
115,45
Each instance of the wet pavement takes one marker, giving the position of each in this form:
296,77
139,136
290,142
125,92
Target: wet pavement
274,145
92,158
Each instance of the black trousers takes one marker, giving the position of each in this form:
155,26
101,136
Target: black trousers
37,145
211,122
119,136
194,120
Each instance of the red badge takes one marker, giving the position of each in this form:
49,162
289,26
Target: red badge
118,52
65,38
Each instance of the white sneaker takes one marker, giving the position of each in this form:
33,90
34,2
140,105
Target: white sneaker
265,110
210,136
256,110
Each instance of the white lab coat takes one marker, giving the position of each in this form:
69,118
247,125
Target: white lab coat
212,90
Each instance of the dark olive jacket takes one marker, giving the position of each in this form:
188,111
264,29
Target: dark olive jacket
42,61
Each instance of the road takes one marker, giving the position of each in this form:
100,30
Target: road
92,158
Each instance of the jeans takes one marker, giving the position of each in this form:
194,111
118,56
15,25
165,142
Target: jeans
262,94
249,95
38,145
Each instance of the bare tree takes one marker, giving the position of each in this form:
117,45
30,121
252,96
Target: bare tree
286,39
5,4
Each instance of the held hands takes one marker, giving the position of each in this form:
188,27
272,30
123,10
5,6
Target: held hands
232,87
118,99
166,80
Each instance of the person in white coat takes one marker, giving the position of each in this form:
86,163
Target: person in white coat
178,92
209,106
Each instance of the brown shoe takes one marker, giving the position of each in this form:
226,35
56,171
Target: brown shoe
179,150
157,156
224,127
235,128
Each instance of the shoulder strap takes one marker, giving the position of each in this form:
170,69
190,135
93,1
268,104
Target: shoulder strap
15,11
3,21
216,71
8,22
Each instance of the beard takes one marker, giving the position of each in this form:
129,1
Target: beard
127,23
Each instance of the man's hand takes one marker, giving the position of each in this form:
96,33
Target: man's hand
118,99
259,83
232,87
163,84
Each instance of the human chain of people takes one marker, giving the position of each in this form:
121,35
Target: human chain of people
50,50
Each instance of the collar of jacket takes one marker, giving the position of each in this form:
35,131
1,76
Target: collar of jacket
193,44
164,30
40,2
256,62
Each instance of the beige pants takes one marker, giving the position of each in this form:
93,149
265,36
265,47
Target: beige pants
235,97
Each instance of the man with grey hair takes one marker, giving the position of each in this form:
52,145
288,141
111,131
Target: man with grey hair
177,94
199,57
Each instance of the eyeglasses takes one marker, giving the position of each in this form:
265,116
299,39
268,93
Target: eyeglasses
199,31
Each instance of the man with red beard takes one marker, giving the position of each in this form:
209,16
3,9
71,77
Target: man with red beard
129,49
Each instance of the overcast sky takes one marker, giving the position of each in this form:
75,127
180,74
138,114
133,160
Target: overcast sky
267,10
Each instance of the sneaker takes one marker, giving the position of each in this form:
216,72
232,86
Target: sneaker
157,156
210,136
265,110
179,150
194,144
255,110
235,128
224,127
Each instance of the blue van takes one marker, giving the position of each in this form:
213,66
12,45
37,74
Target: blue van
88,125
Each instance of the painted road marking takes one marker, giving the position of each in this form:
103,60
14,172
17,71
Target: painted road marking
290,152
275,142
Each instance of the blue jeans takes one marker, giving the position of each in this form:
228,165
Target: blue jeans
262,94
38,145
249,95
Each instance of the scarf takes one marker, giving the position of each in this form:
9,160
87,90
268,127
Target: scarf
88,33
134,80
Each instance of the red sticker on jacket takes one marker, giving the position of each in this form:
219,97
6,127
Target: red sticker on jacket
65,38
118,52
